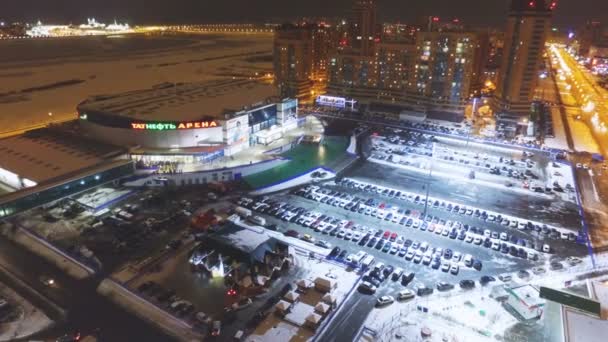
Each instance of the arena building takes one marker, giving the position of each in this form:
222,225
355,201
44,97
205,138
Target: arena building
195,119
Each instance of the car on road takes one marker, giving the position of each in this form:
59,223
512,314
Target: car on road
367,287
47,281
423,290
486,279
323,243
467,284
572,260
384,300
444,286
405,294
539,270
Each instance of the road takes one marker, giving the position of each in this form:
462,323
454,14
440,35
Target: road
87,311
579,89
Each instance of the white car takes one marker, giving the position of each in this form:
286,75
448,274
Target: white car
385,300
573,260
454,269
445,267
405,294
477,240
469,238
487,233
456,256
495,245
409,255
546,248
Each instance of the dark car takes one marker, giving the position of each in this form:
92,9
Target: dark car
292,233
424,291
388,270
444,286
407,278
372,242
334,252
477,265
486,279
467,284
342,254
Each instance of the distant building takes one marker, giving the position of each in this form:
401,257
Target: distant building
12,30
363,29
449,65
590,34
528,25
322,47
293,60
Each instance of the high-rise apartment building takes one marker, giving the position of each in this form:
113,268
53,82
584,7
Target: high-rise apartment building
528,26
449,65
590,34
293,60
363,29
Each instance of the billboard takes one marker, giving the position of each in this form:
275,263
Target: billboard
331,101
236,130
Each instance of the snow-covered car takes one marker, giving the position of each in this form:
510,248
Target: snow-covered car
385,300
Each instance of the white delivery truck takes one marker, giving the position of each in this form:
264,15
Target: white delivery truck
244,212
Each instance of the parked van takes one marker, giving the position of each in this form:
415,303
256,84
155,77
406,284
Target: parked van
124,215
244,212
368,261
356,259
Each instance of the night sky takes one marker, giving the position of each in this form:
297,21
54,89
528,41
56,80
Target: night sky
475,12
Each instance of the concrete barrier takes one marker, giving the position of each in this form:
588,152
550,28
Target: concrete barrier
147,311
46,250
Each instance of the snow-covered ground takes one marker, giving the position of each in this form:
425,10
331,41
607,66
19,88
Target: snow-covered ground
274,328
117,69
457,315
31,320
560,141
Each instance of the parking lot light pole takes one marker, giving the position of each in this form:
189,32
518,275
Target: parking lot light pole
428,182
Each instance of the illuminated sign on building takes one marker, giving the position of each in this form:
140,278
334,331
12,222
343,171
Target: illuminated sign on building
168,126
331,101
334,101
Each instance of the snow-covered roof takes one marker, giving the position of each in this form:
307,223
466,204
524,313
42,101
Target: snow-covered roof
282,305
182,102
321,308
527,294
255,242
42,155
313,318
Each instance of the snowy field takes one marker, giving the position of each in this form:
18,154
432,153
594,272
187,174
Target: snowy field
113,65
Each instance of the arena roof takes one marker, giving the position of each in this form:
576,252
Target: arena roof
183,102
44,155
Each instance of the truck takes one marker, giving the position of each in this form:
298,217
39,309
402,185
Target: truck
355,259
367,261
244,212
125,215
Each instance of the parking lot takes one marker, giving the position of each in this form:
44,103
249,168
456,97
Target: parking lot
433,224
